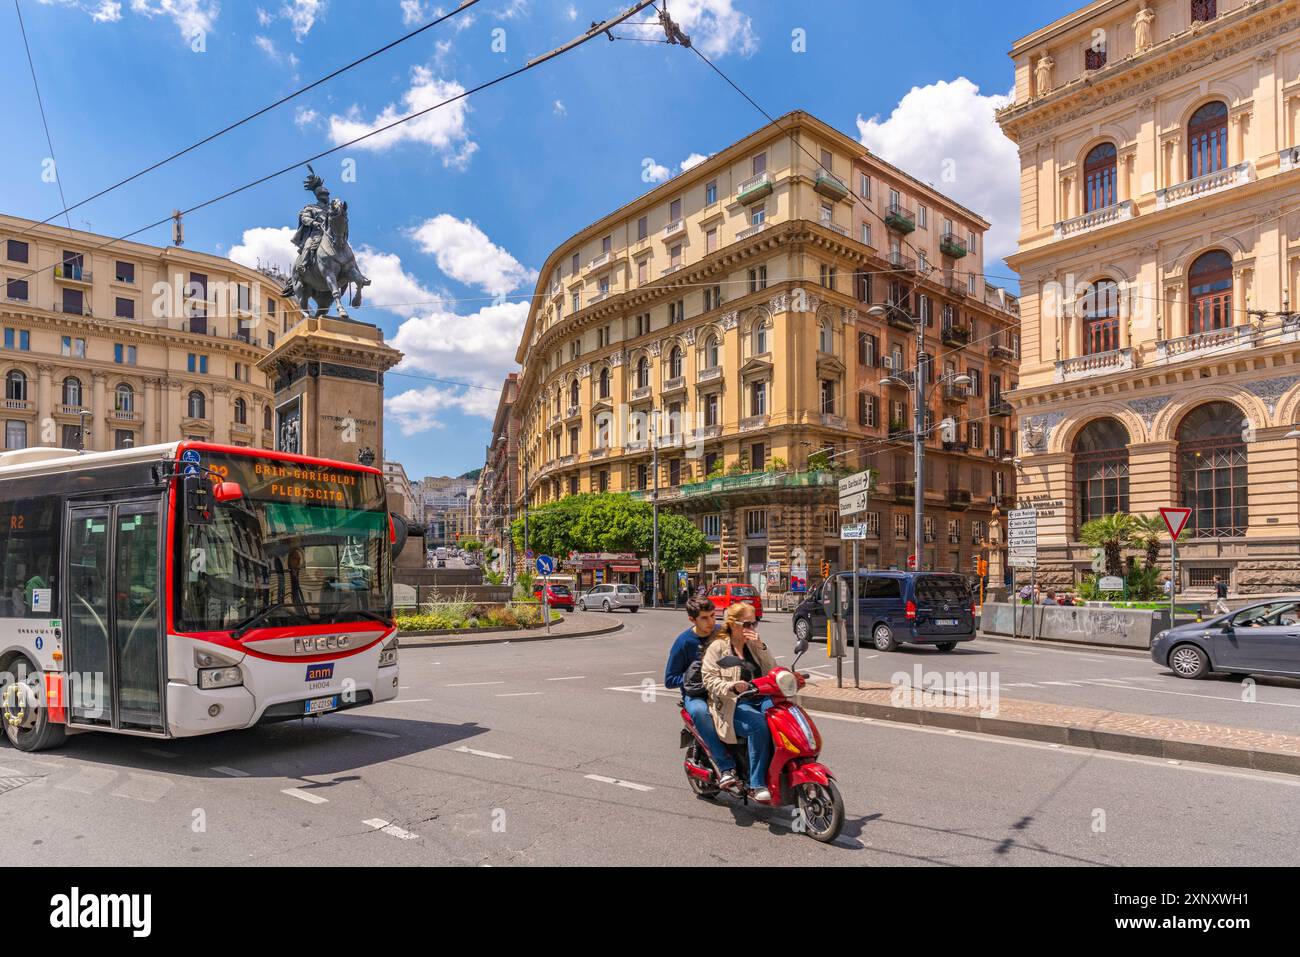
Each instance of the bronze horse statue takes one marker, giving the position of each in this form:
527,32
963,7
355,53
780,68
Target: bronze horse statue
326,266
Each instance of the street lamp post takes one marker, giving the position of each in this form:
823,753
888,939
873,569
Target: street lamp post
916,386
654,506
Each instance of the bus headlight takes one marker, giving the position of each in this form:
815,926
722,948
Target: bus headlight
210,678
388,654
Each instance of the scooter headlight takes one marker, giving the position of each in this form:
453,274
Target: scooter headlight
787,684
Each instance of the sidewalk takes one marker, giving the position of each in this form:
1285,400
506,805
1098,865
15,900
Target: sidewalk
577,624
1145,735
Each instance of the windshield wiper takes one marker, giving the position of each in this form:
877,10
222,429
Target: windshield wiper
248,624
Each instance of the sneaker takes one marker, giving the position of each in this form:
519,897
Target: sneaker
728,780
761,795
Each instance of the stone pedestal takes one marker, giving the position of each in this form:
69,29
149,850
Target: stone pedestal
328,377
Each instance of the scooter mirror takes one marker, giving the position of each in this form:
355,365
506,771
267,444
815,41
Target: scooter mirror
800,646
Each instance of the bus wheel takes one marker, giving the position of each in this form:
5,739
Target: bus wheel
25,718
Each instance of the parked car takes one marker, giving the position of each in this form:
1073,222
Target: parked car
896,608
610,597
1260,639
558,594
725,594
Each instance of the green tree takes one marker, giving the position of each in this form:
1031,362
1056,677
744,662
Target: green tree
1112,534
609,523
1148,533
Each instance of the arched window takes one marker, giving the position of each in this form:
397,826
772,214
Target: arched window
266,418
197,407
72,391
675,363
573,393
712,357
1101,469
241,412
1207,140
1101,317
557,401
642,372
1212,470
1203,11
124,398
760,338
603,384
1209,283
1099,178
16,386
824,338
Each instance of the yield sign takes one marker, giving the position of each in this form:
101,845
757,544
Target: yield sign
1175,520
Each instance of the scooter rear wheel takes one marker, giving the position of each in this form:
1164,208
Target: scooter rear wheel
705,789
822,808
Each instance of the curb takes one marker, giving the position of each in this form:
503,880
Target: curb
1255,759
501,637
1119,651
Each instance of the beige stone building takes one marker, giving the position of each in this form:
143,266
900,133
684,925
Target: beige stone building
145,344
1160,264
723,317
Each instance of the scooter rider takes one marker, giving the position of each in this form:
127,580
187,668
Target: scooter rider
730,665
688,649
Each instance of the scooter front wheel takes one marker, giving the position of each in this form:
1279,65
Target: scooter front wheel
822,809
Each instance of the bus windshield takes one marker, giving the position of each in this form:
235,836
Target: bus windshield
306,544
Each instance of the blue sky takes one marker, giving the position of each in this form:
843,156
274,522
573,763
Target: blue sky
452,216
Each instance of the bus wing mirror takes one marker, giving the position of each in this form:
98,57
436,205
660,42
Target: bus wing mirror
227,492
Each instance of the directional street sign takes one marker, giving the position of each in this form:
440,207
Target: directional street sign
853,533
1022,538
1175,519
854,492
545,565
191,459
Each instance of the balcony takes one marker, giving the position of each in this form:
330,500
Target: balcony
758,485
603,259
751,231
959,499
835,227
70,411
900,432
952,246
641,392
1288,159
70,310
70,272
675,384
1000,408
636,445
1098,218
125,417
1206,185
753,422
706,433
241,428
955,394
903,491
955,285
672,269
900,263
1216,342
955,334
573,411
18,405
830,421
896,315
900,219
1099,363
711,374
676,228
999,351
956,446
830,185
754,188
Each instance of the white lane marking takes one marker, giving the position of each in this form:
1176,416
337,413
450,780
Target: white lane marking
628,674
1064,684
405,701
517,694
485,754
229,772
630,785
1020,684
473,684
1212,697
1017,651
161,753
374,734
1286,780
381,825
567,678
143,787
304,795
638,689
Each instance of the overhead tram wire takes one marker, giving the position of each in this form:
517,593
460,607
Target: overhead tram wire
49,141
238,123
531,64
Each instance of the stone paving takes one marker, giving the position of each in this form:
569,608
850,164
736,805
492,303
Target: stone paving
1169,738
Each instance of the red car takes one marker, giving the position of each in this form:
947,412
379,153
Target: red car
558,595
728,593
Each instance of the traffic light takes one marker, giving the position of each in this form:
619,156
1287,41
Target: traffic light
826,569
981,566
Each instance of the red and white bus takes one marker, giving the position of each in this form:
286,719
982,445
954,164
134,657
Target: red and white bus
188,588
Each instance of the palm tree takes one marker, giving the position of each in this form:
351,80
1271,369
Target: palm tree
1112,534
1148,532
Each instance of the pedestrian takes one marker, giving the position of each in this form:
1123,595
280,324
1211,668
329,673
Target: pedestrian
1050,599
1167,586
1220,596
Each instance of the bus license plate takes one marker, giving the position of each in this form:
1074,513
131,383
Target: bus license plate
321,705
947,622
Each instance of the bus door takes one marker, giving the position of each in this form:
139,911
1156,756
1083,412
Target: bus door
112,622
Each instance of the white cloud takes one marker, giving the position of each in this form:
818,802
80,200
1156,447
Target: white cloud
560,109
419,410
946,135
695,159
571,12
653,172
302,15
107,11
264,19
444,129
512,9
412,12
190,16
716,27
464,253
392,287
266,246
267,46
305,117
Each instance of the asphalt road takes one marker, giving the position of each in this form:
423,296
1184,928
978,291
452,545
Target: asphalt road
565,752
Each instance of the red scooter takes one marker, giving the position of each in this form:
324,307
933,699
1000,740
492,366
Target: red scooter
795,776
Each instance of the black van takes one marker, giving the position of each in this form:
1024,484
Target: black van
896,608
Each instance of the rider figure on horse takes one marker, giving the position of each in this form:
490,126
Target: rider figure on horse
325,265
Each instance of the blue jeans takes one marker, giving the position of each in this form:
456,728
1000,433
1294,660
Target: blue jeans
751,724
698,709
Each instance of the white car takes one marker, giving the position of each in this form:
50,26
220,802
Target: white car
610,597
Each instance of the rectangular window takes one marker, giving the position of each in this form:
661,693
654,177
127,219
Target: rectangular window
864,186
675,255
123,439
642,271
759,164
758,279
643,227
577,302
573,263
711,193
758,215
756,523
674,473
711,526
677,311
902,526
758,398
712,297
866,235
124,308
868,349
711,410
15,434
16,289
16,251
757,457
607,244
922,217
674,211
711,240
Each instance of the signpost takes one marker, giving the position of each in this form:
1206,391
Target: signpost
546,568
1022,552
1175,521
855,490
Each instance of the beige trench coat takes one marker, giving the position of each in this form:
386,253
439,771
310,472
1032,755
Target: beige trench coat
719,680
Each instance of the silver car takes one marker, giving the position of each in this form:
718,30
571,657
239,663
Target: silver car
610,597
